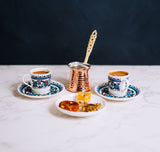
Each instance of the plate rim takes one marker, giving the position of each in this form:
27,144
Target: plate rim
40,97
117,99
79,114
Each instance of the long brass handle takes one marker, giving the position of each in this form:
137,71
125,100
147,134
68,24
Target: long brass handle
90,45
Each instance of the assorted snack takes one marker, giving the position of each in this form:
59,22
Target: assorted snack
91,107
83,98
69,105
82,104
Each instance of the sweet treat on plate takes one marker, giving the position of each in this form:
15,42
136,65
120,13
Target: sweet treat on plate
91,107
69,105
82,104
83,98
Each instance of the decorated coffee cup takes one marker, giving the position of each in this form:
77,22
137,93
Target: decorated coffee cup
39,80
118,83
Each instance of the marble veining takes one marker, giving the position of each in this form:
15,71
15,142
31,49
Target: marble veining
35,125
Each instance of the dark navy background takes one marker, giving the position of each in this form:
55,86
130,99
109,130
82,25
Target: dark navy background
57,31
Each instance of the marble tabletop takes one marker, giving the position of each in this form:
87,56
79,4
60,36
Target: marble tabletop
35,125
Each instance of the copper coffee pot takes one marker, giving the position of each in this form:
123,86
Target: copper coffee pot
79,80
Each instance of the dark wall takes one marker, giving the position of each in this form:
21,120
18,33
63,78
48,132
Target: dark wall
57,31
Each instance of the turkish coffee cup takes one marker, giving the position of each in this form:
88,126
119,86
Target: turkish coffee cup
118,83
39,80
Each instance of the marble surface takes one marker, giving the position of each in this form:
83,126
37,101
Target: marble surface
35,125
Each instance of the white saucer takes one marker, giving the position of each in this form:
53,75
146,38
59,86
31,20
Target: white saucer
72,97
56,88
102,90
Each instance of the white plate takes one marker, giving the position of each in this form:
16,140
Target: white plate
72,97
56,88
132,93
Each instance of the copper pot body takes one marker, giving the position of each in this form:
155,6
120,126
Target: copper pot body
79,80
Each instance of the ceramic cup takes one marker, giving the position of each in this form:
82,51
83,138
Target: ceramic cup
39,80
118,82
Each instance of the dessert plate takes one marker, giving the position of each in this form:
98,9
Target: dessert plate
72,97
102,90
56,88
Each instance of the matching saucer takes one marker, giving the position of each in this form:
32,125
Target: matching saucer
56,88
102,90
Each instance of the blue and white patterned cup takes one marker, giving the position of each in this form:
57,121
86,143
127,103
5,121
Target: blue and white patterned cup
40,79
118,82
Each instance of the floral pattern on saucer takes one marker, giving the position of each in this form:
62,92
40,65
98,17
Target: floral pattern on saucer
56,87
102,90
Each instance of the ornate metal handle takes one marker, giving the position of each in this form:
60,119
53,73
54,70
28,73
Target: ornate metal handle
90,45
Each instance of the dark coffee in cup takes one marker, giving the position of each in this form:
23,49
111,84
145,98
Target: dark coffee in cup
118,73
40,72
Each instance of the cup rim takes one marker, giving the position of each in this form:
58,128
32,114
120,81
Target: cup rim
118,76
40,69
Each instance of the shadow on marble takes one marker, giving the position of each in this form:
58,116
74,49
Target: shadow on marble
54,111
112,101
62,80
